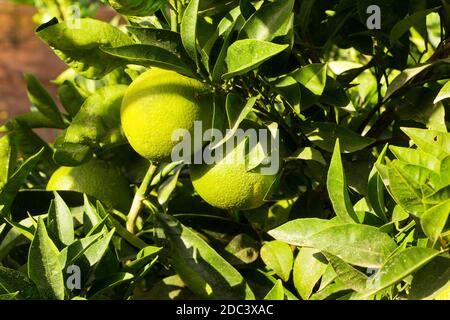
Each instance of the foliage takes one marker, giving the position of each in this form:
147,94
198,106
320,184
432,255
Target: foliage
361,207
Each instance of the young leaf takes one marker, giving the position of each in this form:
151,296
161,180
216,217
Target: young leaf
309,266
403,78
60,221
198,264
99,286
278,256
433,220
276,293
338,190
308,153
43,265
245,55
436,143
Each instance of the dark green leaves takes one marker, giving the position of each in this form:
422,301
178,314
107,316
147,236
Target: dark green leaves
199,265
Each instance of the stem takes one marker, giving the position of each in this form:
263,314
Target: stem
173,16
136,206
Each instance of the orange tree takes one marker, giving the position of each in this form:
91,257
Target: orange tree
354,91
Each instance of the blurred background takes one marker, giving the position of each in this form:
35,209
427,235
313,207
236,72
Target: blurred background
21,51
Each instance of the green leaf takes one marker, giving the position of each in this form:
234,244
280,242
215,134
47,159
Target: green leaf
78,44
431,279
433,220
404,189
43,265
60,221
149,56
7,159
143,257
120,229
375,189
188,30
267,20
416,157
356,244
309,266
15,281
298,232
403,26
313,77
278,256
41,99
404,78
198,264
325,134
227,24
99,286
308,153
97,124
10,189
245,55
352,277
399,266
276,293
436,143
232,102
70,254
444,93
168,186
70,97
338,189
243,248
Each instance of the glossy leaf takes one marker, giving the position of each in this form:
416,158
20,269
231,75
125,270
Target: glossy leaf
337,189
278,256
245,55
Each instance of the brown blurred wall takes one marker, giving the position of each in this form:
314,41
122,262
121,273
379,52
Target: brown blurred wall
21,51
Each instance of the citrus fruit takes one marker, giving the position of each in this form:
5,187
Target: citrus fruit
95,178
229,184
158,103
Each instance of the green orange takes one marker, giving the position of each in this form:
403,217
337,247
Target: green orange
95,178
157,104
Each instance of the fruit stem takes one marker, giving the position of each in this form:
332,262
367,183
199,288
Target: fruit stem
136,206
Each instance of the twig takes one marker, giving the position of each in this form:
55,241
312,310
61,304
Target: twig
136,206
